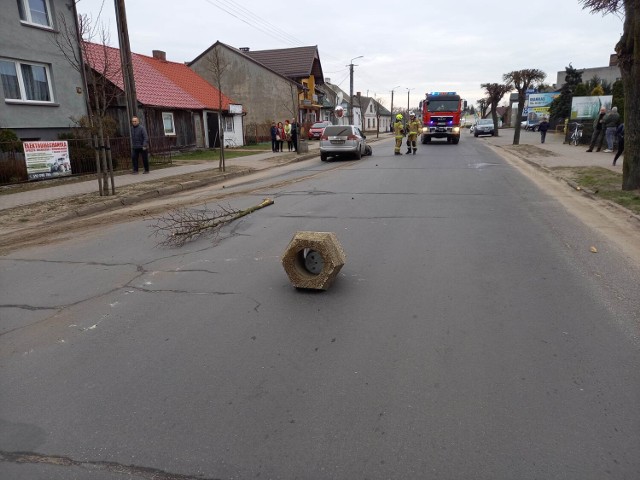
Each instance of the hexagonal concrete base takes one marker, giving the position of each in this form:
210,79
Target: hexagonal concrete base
313,259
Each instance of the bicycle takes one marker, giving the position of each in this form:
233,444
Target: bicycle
230,143
576,135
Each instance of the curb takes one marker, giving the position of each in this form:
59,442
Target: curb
584,191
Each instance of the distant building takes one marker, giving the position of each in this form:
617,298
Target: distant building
609,74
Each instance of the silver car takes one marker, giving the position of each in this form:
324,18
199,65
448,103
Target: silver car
484,126
343,140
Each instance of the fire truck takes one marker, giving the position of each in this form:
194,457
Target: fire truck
441,114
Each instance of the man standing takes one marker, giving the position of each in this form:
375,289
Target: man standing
294,134
399,134
611,122
542,128
413,127
598,130
139,145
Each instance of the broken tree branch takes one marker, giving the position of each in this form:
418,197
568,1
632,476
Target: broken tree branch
181,226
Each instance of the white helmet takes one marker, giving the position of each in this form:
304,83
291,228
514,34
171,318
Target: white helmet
412,114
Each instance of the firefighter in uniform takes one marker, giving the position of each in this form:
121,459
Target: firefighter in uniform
398,130
413,127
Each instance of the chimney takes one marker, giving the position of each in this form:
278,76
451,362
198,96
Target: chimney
244,49
327,80
159,55
613,60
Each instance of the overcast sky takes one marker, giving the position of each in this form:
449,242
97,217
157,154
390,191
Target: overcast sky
422,46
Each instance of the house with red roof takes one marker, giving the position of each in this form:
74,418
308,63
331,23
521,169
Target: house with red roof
277,85
177,106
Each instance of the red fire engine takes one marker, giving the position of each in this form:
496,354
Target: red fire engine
441,114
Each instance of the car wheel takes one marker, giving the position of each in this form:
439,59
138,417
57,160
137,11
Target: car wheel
358,154
324,157
368,150
475,134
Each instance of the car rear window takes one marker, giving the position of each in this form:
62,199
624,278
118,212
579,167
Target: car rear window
337,130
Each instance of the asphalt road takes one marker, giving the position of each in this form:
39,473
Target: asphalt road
470,334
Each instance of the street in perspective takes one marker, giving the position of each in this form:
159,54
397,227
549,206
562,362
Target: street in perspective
242,241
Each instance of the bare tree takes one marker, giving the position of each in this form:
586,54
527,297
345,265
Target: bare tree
495,92
217,65
522,80
483,104
628,52
85,47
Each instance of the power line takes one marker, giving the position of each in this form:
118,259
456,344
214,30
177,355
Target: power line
251,20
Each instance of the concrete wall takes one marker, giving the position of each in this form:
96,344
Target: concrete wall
265,95
609,74
30,43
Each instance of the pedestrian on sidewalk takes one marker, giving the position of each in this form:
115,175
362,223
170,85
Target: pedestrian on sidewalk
598,130
611,122
139,146
287,135
294,134
542,128
280,137
274,133
620,135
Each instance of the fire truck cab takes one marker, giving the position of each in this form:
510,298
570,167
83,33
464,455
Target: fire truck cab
441,114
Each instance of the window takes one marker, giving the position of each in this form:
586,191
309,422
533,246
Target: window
167,122
26,82
228,124
35,11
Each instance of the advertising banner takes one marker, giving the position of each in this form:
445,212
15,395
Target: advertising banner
47,159
538,105
583,108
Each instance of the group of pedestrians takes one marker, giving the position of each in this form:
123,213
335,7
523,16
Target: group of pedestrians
607,126
284,133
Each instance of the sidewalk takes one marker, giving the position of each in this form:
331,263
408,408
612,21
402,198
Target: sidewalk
558,154
553,153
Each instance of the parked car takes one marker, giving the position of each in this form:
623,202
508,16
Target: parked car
484,126
315,131
343,140
526,125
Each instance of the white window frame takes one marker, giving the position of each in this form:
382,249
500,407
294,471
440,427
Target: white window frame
172,132
28,18
228,123
23,92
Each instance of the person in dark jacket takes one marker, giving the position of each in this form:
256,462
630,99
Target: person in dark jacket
274,132
542,128
294,134
598,131
620,135
139,145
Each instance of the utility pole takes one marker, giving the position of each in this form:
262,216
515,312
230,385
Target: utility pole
351,88
408,91
391,126
126,60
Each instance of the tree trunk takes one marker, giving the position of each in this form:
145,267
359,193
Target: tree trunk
110,165
628,50
96,148
516,133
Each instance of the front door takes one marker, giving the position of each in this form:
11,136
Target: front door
213,129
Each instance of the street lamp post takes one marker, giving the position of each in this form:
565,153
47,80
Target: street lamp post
408,92
351,88
391,126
